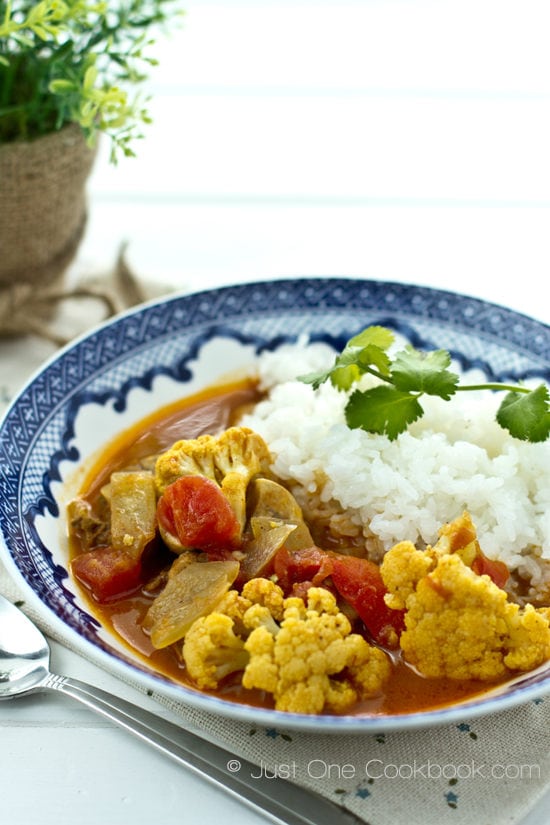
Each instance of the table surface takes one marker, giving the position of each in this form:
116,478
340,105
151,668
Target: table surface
405,141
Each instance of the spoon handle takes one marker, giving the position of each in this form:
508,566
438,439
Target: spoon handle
281,800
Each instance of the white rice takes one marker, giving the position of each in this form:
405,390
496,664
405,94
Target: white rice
455,458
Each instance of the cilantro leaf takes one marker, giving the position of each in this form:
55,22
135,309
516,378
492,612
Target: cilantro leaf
384,410
415,371
352,363
343,377
381,337
374,356
362,359
343,374
368,349
315,378
526,415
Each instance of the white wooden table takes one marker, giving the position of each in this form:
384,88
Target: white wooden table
405,140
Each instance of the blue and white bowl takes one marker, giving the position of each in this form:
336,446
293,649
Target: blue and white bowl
130,366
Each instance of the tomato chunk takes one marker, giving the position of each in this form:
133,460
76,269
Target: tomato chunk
310,564
359,582
496,570
194,509
107,572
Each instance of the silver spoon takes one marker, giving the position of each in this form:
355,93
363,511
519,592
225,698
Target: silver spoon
24,669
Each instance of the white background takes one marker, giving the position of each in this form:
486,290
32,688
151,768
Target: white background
393,139
404,140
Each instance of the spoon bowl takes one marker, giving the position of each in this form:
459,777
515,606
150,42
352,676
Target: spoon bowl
24,653
25,668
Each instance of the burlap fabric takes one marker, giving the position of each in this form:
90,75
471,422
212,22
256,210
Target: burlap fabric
42,219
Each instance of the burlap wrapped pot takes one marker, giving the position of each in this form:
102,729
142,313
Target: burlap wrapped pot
42,215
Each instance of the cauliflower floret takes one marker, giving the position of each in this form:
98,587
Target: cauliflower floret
406,566
261,602
235,605
367,668
261,670
304,654
184,458
266,593
459,624
312,663
529,631
321,600
214,645
230,459
402,568
212,650
260,616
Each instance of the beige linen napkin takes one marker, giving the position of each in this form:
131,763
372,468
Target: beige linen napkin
487,770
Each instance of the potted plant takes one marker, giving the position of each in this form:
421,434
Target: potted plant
69,70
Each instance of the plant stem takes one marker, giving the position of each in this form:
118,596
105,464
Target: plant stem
374,371
503,387
463,387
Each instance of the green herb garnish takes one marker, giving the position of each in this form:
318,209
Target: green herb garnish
76,61
388,408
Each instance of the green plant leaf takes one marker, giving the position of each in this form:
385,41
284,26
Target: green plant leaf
384,410
374,356
315,378
61,86
415,371
379,336
526,415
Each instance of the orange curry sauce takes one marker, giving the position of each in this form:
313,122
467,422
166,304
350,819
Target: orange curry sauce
209,412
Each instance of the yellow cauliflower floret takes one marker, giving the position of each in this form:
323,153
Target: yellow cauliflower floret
405,565
313,663
261,670
212,650
339,696
368,667
303,653
402,568
321,600
458,624
529,633
265,592
260,616
184,458
230,459
234,605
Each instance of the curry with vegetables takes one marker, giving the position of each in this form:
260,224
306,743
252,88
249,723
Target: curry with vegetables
189,548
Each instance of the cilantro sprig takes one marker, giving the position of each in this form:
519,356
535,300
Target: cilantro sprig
389,407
